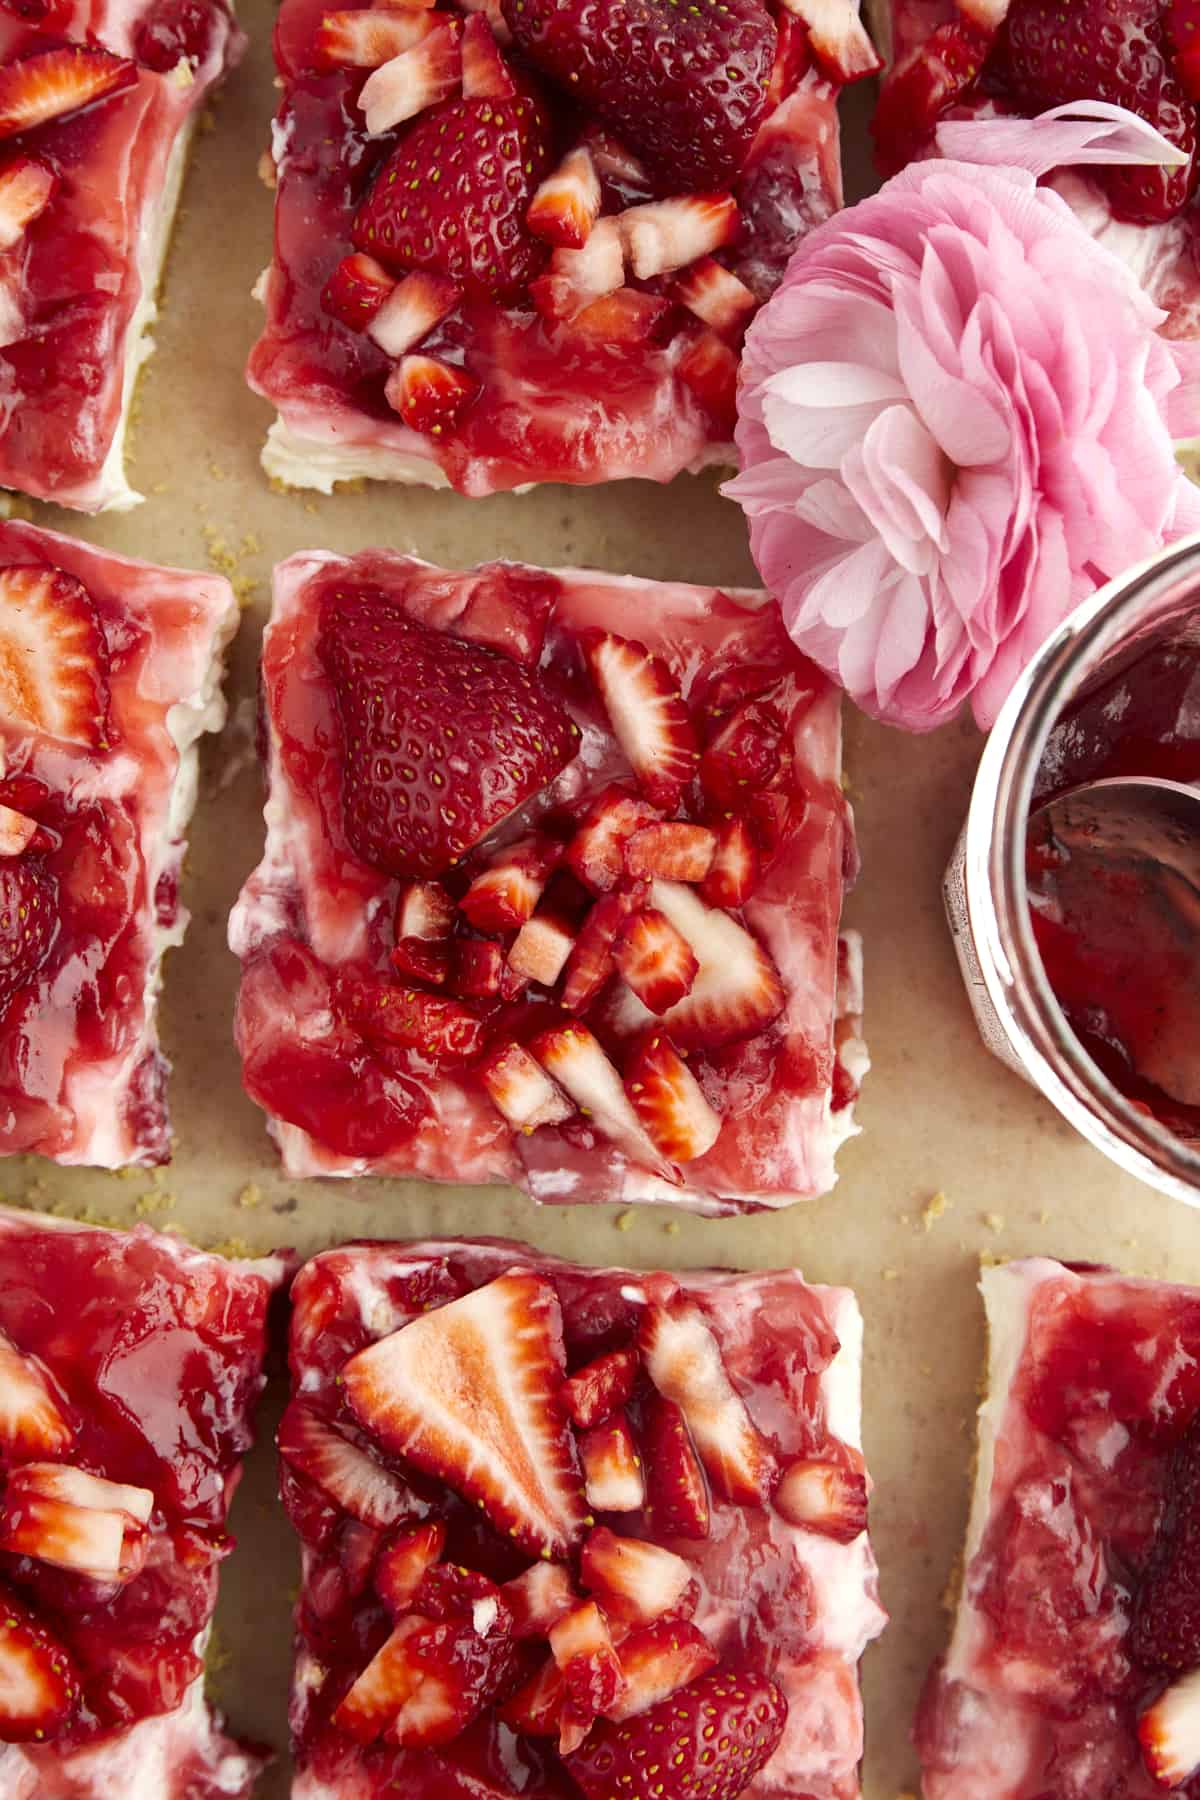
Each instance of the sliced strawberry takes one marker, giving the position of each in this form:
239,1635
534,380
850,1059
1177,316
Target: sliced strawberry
577,278
359,285
521,1089
669,1100
647,713
416,959
1169,1732
343,1470
410,701
656,1661
412,309
737,990
77,1487
612,1468
733,876
792,60
683,1360
567,203
17,831
32,1419
666,235
72,1520
541,948
53,654
429,394
424,910
1183,35
824,1497
25,190
536,1709
596,852
368,38
838,38
469,1393
384,1685
742,1714
654,960
39,1689
626,316
485,74
478,968
591,960
635,1582
50,83
414,81
676,1493
538,1599
582,1647
596,1392
404,1018
404,1561
710,369
923,86
508,890
676,852
716,296
573,1056
744,755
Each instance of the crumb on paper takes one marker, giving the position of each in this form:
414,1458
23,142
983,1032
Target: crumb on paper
953,1587
623,1221
1043,1217
934,1208
216,471
227,561
672,1228
218,1656
925,1369
994,1221
891,1274
233,1249
251,1195
990,1259
154,1200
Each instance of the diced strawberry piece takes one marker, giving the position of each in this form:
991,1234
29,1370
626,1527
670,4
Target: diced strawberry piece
744,1714
626,316
478,968
924,85
39,1689
734,873
469,1393
824,1497
521,1089
665,235
595,1392
28,924
737,990
404,1561
25,190
581,1645
647,713
538,1599
716,296
624,178
744,754
485,74
652,958
536,1709
416,959
343,1470
73,1520
412,309
77,1487
17,831
32,1419
507,892
591,960
677,852
358,1545
50,83
612,1468
670,1101
683,1360
541,948
596,852
415,80
382,1688
445,1031
359,285
573,1056
635,1582
455,1669
1164,1633
769,816
53,654
1169,1732
578,277
677,1496
710,369
424,910
368,38
838,38
792,59
656,1661
1183,36
567,204
429,394
451,1591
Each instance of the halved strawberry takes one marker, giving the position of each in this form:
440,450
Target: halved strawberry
478,968
647,713
424,910
485,74
709,368
469,1393
716,296
25,190
445,1031
53,653
1182,22
567,204
635,1582
536,1709
343,1470
404,1561
734,873
838,37
1169,1732
17,831
32,1417
676,1493
591,960
538,1599
654,960
666,235
508,890
577,278
430,394
612,1468
596,852
670,1101
415,80
521,1089
743,755
922,86
541,948
72,1520
737,990
573,1056
367,38
683,1360
39,1689
412,309
50,83
582,1647
417,959
824,1497
656,1661
675,851
595,1392
626,316
359,285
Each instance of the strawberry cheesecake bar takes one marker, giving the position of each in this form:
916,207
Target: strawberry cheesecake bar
574,1532
129,1369
551,888
1074,1669
520,241
109,674
98,103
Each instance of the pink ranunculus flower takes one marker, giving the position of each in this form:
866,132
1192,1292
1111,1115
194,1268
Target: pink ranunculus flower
956,420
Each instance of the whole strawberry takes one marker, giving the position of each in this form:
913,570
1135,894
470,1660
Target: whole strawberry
28,924
1165,1630
684,85
442,738
706,1742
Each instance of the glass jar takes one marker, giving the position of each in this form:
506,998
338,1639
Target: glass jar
1156,604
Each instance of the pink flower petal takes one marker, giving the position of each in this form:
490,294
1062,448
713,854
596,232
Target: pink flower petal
1084,131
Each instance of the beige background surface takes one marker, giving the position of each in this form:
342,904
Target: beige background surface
938,1114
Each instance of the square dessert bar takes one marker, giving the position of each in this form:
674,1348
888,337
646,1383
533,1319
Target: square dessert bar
551,887
574,1532
109,674
98,103
520,241
130,1365
1073,1672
